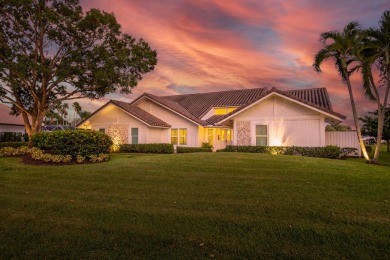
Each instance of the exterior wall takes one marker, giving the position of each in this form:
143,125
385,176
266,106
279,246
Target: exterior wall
12,128
343,139
288,124
175,120
114,119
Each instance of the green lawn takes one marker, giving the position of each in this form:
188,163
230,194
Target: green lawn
186,206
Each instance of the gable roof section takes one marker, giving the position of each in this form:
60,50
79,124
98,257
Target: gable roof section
316,98
136,112
174,106
7,119
141,114
199,104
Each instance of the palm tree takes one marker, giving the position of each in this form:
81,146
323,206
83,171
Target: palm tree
77,110
342,50
375,52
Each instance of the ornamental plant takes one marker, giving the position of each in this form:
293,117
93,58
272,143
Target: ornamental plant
73,142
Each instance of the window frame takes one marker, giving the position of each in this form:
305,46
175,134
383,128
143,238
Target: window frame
133,136
181,136
262,135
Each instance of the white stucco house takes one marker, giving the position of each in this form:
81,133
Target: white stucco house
10,123
258,116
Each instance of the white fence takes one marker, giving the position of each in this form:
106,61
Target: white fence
343,139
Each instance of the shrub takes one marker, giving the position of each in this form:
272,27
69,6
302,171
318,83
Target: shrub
146,148
73,142
348,151
99,158
321,152
11,137
369,148
207,146
12,144
184,149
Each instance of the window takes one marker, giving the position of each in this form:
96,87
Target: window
220,134
229,135
134,135
103,130
179,136
223,110
261,135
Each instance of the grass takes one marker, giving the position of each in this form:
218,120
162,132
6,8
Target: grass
185,206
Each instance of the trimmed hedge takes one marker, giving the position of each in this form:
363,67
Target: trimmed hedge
185,149
146,148
13,144
73,142
320,152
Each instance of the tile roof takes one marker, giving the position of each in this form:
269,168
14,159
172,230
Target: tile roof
175,107
199,104
316,98
140,114
195,106
7,119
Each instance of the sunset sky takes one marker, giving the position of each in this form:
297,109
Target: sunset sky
217,45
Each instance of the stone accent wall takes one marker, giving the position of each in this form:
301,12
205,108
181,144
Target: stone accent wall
118,133
243,129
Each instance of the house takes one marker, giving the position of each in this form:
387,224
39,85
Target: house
10,123
257,116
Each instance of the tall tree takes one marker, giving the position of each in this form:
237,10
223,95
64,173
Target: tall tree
77,110
370,126
341,48
52,51
375,53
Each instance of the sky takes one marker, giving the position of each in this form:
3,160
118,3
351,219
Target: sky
216,45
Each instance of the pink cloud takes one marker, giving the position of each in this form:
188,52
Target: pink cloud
216,45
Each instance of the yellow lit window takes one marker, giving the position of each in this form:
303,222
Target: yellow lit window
179,136
223,110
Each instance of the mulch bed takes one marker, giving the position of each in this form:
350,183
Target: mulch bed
26,159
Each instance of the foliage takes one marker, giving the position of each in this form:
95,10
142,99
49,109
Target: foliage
73,142
369,148
185,149
321,152
370,126
349,151
341,48
146,148
207,145
38,154
339,127
15,151
11,137
375,55
52,51
12,144
101,157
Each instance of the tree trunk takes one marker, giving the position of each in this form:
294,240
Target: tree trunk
381,120
355,118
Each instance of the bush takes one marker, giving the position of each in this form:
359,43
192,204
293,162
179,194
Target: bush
11,137
146,148
73,142
321,152
348,151
13,144
207,146
15,151
369,148
184,149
